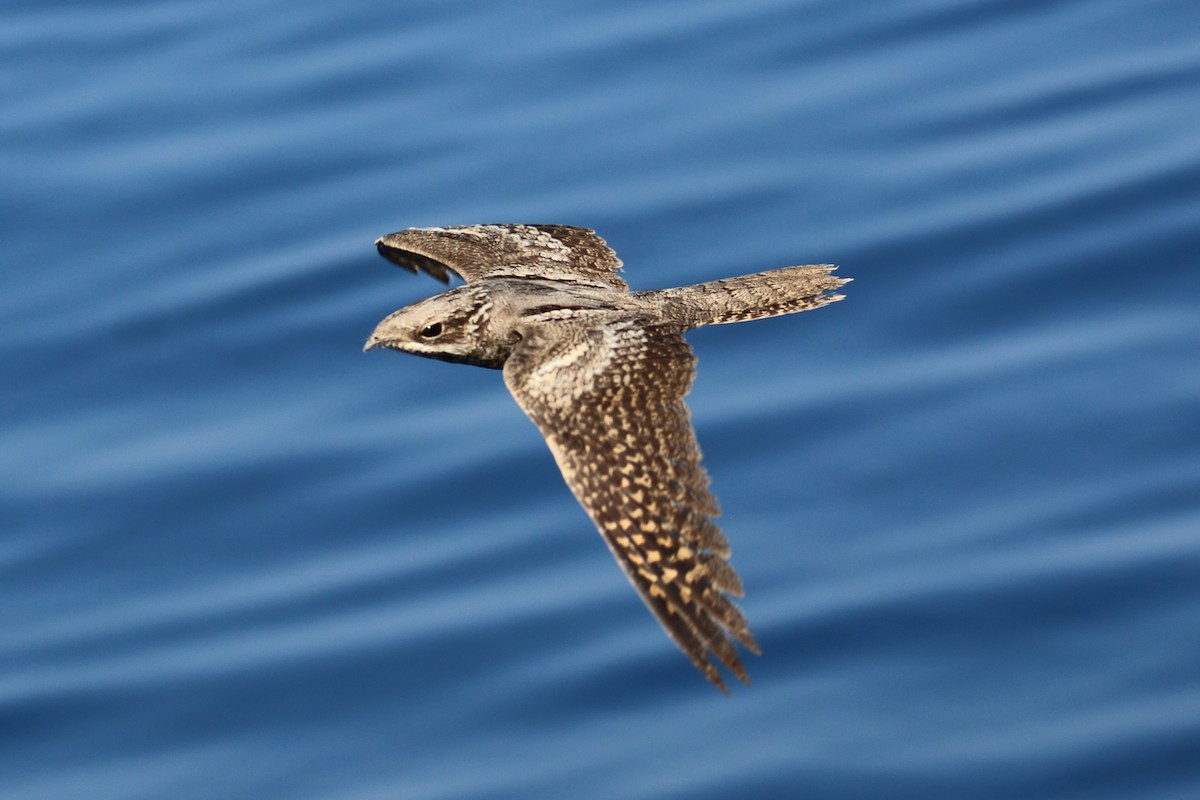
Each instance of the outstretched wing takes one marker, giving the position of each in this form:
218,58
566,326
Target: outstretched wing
555,252
607,393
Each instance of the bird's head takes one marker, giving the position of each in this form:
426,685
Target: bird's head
452,326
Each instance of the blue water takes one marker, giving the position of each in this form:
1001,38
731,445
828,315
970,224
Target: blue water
241,559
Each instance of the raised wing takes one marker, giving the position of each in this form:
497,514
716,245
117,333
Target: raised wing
607,393
555,252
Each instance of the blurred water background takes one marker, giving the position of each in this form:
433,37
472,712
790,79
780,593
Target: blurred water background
240,559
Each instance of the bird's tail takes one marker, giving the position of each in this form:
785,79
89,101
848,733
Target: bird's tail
763,294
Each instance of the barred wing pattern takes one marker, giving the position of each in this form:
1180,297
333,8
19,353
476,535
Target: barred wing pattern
473,252
607,392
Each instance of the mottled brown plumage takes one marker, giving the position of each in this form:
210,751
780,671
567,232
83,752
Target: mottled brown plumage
603,372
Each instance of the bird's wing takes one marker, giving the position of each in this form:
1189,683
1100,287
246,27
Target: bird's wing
555,252
607,393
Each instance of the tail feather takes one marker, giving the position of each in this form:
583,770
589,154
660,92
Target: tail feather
763,294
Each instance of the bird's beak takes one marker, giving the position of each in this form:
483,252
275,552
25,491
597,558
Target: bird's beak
388,330
378,336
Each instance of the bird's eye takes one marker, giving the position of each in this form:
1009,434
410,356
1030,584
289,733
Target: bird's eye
431,331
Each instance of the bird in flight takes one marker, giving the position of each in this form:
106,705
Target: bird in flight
602,372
